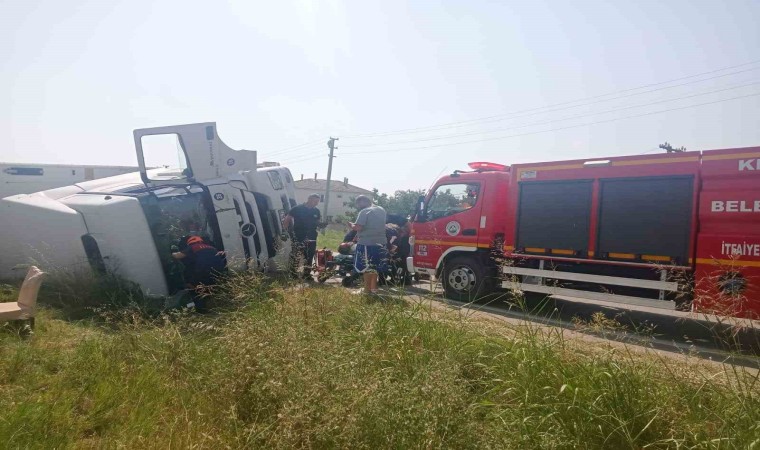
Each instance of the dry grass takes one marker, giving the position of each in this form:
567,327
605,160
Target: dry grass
278,367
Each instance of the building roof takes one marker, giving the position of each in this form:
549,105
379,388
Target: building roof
335,186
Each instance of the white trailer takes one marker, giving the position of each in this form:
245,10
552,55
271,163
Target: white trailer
25,178
127,224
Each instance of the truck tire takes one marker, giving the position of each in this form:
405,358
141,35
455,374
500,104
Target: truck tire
464,279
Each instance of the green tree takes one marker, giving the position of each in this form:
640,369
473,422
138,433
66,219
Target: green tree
402,202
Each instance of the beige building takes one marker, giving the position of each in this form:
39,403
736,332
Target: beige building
340,193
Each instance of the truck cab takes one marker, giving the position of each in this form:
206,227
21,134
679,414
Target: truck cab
127,224
458,227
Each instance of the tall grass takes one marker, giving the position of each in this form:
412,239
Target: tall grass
320,368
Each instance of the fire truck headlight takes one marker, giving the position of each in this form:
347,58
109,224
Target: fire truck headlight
732,283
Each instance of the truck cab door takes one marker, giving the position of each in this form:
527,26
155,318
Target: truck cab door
179,154
234,224
450,221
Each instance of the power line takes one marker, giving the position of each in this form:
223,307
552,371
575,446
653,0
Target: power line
554,129
532,111
291,154
285,150
302,159
292,149
578,116
297,151
468,122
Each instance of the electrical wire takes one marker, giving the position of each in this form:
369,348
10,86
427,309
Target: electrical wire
293,153
290,161
411,141
295,147
553,129
531,111
534,110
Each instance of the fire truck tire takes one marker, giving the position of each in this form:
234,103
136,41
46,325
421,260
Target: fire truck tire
464,279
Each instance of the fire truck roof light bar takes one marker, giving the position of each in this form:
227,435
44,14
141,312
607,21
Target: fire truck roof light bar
603,162
488,166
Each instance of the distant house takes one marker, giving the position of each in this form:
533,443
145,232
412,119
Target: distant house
24,178
340,193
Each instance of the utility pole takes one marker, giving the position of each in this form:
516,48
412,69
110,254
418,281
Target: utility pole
332,147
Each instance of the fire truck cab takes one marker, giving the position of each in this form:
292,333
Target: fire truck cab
458,228
669,230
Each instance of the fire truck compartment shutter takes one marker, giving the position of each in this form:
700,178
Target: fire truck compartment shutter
646,216
554,214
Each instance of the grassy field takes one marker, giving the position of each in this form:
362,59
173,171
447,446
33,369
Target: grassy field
331,239
283,367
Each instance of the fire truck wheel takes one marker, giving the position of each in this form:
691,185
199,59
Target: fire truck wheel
464,278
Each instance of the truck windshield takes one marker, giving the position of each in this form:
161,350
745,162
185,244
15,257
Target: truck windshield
172,213
449,199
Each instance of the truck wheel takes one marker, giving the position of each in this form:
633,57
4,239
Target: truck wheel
464,279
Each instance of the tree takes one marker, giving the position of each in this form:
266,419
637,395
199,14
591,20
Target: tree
444,199
401,202
404,203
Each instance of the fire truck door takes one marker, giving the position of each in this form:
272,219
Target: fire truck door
451,221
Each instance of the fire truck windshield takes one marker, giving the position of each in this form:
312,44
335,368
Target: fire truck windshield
449,199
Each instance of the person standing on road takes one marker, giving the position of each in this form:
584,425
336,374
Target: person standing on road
302,222
371,241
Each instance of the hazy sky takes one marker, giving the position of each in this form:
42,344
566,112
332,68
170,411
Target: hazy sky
78,76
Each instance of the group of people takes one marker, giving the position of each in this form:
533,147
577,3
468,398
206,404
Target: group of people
381,245
378,243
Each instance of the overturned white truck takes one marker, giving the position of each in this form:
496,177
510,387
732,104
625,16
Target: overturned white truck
127,224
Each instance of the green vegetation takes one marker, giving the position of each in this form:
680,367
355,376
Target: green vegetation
7,293
281,367
403,203
331,239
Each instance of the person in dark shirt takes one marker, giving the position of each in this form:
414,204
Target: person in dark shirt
302,222
203,264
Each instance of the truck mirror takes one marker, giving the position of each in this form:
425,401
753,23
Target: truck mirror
419,211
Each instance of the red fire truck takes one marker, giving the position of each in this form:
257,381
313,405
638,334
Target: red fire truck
669,230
